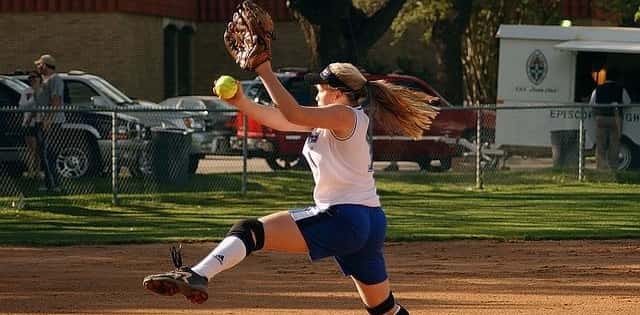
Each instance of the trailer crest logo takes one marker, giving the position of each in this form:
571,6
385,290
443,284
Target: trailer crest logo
537,67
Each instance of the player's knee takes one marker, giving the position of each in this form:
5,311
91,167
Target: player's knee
251,232
389,306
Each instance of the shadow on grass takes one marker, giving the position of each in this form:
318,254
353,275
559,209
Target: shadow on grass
229,182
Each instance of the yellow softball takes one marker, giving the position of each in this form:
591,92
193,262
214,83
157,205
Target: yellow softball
225,87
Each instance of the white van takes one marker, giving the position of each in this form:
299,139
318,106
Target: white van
554,65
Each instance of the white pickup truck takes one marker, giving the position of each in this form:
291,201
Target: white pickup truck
558,66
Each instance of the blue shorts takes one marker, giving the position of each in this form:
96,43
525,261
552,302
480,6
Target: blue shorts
352,234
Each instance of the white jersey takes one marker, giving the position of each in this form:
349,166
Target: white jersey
342,167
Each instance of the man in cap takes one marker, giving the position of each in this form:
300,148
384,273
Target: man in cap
51,97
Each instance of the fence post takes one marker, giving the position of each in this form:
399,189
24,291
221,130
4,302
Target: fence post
244,154
114,159
581,146
479,181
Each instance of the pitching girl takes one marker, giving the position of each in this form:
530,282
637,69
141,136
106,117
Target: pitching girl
346,221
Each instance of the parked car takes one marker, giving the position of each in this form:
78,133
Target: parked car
282,149
135,130
85,138
214,119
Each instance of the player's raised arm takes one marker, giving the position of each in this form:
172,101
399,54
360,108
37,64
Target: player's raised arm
229,89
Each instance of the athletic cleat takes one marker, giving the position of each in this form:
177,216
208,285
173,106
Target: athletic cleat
182,279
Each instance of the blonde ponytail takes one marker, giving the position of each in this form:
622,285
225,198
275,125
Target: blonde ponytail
399,110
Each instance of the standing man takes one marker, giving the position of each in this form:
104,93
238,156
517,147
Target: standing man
52,95
608,119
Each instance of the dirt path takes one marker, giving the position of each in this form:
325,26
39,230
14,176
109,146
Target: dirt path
460,277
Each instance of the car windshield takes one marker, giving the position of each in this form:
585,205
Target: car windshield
16,84
112,92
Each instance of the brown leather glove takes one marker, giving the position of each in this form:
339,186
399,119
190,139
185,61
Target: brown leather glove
248,36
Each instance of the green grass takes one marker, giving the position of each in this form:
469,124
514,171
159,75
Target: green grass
419,206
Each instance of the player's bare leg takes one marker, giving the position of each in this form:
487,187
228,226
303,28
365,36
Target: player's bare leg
282,234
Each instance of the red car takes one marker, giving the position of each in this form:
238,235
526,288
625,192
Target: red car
282,150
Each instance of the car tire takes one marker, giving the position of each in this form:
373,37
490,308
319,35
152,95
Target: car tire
425,165
76,160
281,164
445,165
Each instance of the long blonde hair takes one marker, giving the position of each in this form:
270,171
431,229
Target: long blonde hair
397,109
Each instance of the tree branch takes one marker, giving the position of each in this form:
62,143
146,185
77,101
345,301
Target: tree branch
372,28
317,12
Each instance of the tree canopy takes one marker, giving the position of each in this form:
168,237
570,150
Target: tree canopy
458,35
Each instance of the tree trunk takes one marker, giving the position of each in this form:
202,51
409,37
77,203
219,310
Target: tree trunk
447,39
335,30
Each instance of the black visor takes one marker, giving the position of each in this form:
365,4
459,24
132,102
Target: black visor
326,77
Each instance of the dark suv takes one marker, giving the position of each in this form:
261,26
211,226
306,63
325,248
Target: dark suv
83,145
282,149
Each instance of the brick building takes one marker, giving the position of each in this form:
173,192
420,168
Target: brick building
149,48
157,48
583,12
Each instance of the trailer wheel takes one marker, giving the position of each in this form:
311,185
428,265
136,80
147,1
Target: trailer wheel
629,156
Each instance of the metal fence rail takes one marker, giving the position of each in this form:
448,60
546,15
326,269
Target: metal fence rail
122,151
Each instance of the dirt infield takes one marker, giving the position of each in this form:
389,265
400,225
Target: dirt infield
457,277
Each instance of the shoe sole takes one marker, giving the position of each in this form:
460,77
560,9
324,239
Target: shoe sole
165,286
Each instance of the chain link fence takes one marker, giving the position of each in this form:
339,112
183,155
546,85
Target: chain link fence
561,142
117,152
146,151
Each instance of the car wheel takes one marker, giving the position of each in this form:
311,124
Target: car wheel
445,165
629,156
280,164
75,160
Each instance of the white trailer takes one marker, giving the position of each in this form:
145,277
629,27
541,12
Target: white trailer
554,66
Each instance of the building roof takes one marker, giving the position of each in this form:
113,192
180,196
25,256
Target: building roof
575,33
194,10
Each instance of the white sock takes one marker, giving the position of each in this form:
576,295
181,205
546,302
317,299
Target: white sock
230,252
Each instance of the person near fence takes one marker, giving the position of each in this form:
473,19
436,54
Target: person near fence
51,97
608,119
346,220
29,122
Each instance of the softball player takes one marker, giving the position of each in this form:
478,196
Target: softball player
346,221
